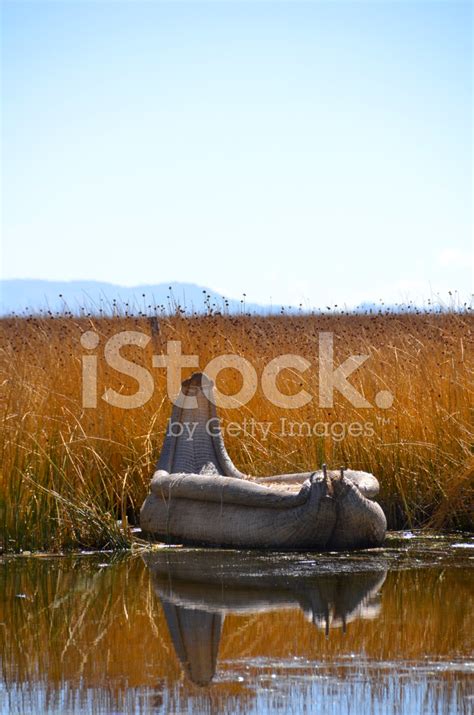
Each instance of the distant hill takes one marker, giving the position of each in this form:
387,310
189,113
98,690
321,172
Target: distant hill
31,296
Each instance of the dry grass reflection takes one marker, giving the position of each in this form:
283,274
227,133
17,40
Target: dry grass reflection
79,623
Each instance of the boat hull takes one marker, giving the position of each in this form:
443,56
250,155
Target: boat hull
228,512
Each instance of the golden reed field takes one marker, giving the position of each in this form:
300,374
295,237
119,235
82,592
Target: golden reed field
69,473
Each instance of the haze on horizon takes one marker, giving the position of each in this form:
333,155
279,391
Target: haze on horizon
298,152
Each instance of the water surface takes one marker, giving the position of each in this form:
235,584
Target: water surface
209,631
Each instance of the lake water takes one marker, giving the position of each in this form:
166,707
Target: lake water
207,631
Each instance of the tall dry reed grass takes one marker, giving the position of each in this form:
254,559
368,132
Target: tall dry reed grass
73,477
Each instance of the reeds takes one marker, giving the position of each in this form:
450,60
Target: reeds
74,476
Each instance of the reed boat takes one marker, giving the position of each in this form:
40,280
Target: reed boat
198,496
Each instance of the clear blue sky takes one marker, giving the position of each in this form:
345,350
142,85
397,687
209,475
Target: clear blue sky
315,152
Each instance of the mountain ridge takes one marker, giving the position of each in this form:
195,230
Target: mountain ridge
36,295
20,295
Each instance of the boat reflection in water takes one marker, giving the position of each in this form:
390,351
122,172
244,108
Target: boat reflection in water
198,588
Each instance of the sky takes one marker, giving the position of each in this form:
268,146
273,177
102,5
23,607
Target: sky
299,152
